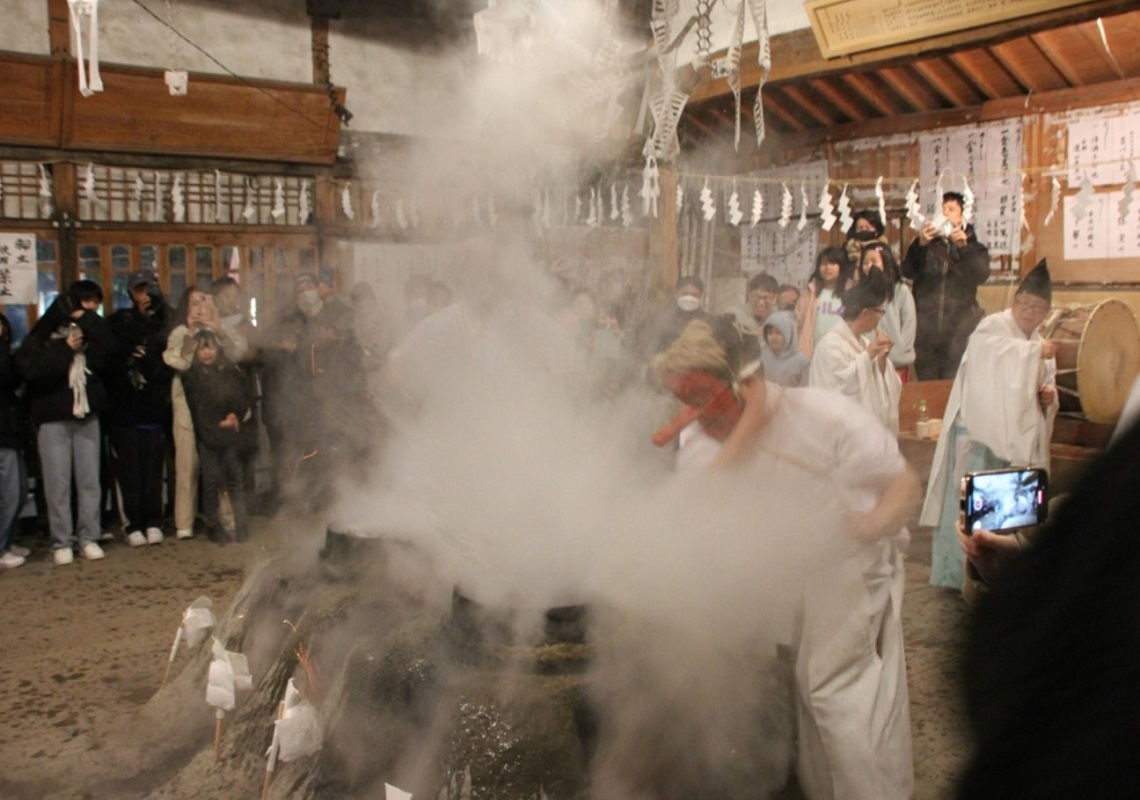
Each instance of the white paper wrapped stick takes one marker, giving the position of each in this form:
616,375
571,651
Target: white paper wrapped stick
392,793
229,673
296,732
196,623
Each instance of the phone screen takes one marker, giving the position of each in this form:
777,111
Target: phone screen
1004,500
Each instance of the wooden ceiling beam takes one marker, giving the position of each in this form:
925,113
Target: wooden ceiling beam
1025,78
796,54
838,99
772,103
1092,35
914,92
1041,40
984,77
797,95
928,69
866,89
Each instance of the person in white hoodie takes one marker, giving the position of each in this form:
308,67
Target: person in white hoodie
1000,413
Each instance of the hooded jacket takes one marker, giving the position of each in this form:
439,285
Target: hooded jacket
788,367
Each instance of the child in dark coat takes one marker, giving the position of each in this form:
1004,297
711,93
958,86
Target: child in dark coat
221,405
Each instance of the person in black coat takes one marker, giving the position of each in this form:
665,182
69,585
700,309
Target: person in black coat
221,405
61,360
140,411
13,435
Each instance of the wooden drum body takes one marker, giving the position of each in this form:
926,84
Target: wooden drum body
1098,357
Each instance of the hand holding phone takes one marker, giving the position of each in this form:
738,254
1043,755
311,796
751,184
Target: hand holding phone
1004,500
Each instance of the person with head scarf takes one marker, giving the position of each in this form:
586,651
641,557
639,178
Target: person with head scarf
1000,412
783,362
850,671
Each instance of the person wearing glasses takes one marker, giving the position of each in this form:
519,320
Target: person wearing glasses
848,363
1000,412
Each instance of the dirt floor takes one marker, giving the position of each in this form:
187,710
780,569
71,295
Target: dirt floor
86,647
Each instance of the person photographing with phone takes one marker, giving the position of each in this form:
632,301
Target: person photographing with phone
1000,413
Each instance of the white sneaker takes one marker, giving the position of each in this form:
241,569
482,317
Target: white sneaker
182,533
64,556
154,536
136,539
16,550
10,560
92,551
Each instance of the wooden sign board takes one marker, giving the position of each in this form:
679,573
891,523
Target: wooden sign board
852,26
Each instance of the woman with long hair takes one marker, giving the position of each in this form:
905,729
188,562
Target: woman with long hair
900,321
820,308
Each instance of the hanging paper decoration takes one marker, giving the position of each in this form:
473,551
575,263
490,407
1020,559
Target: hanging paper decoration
626,211
733,66
912,205
667,102
615,209
757,207
1054,201
158,212
89,185
803,207
229,674
197,621
45,192
764,59
178,200
650,187
346,201
85,13
680,197
249,210
392,793
374,209
882,199
1084,198
137,197
217,196
303,207
278,199
735,215
708,205
297,733
592,216
785,207
968,201
577,207
1125,203
826,209
546,220
844,206
1021,204
401,218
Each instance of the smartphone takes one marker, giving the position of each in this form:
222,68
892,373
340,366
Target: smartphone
1004,499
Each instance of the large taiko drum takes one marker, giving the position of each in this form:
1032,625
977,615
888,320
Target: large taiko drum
1098,357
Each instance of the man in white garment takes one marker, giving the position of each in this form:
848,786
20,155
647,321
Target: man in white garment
846,363
850,668
1000,413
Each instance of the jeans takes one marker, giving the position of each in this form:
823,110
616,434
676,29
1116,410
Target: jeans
139,454
69,450
13,490
223,469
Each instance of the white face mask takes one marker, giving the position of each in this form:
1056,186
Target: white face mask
688,303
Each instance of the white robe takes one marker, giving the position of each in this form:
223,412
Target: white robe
842,364
994,399
852,700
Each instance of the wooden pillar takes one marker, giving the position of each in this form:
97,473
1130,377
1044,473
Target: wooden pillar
663,236
65,214
59,27
320,45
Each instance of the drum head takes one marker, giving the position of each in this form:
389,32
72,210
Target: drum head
1108,360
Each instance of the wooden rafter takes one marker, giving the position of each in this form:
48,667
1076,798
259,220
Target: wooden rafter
931,72
914,92
1092,36
814,110
871,93
1041,40
1026,79
986,73
773,103
838,99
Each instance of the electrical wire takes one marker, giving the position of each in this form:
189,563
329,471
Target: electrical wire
227,70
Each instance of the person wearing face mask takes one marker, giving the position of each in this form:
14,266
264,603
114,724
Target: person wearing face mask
139,384
899,321
229,301
867,229
688,298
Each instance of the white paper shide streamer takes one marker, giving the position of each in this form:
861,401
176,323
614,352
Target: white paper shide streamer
297,733
89,193
650,187
1054,200
304,208
178,199
913,211
157,214
278,199
968,202
229,674
735,215
1126,196
708,205
197,621
785,206
346,201
1084,198
85,14
846,220
826,209
803,207
374,207
615,209
626,210
136,197
882,199
46,204
217,195
757,207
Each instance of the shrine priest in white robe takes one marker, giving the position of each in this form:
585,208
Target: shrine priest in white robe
1000,413
845,362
